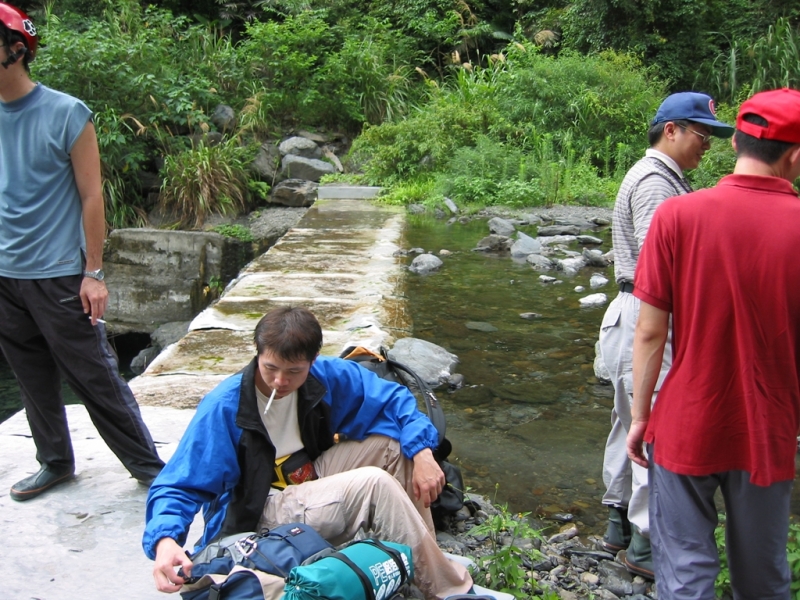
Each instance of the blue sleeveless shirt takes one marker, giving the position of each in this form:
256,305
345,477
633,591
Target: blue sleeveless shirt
41,225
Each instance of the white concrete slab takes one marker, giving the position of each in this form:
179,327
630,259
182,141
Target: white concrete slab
352,192
81,540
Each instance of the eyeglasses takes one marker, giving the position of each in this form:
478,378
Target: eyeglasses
705,137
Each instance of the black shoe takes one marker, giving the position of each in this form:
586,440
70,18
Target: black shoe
618,533
43,480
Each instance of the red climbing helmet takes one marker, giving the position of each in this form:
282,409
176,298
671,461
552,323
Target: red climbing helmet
18,21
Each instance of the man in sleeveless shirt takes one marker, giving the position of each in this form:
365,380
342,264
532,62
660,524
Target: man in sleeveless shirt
52,293
679,135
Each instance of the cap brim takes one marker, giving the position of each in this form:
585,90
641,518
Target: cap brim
718,129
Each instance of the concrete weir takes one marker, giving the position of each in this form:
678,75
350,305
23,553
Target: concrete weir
338,262
82,540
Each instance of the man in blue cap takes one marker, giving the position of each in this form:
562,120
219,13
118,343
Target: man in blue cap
679,135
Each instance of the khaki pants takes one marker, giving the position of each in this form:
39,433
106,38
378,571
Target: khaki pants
354,492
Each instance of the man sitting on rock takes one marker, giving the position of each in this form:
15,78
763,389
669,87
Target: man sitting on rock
298,437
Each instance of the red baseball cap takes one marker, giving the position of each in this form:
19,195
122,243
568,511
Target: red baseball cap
18,21
780,109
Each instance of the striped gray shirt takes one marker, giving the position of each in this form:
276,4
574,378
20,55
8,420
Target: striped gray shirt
646,185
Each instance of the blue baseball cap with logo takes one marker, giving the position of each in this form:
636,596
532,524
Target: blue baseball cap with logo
692,106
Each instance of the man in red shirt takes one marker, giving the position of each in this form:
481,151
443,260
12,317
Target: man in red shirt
722,261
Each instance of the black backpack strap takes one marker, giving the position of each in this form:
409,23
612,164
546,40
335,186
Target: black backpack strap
369,593
435,411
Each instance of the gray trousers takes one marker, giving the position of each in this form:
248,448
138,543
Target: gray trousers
682,521
625,481
45,335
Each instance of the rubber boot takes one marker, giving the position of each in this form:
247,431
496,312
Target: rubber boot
618,533
639,556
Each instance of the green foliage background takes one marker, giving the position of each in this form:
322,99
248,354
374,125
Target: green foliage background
519,102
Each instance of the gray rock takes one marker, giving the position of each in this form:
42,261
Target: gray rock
451,206
552,240
169,333
571,266
329,154
481,326
579,288
530,220
604,594
597,281
595,258
615,579
594,300
455,381
211,138
266,164
141,361
415,209
493,243
579,222
551,230
298,167
300,146
589,239
432,363
547,279
602,222
609,256
530,316
425,263
563,536
501,226
223,117
539,262
314,137
294,192
600,369
524,246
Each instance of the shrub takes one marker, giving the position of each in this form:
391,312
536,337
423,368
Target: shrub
203,180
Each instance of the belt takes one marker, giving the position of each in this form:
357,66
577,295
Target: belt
626,286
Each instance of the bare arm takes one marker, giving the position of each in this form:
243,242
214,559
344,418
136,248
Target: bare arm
85,157
649,339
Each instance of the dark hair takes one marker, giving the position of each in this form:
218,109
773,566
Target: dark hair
656,131
10,37
768,151
291,332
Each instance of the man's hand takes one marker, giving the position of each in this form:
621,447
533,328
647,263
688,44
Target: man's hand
428,477
168,556
635,443
94,297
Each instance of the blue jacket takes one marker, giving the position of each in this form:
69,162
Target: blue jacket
225,460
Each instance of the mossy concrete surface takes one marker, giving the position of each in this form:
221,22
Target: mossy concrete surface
338,261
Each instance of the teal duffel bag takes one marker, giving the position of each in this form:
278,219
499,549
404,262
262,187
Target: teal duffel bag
363,570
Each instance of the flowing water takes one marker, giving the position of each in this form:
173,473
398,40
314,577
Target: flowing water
529,425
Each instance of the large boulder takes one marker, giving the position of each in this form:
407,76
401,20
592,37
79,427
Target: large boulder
298,167
300,146
549,230
524,246
223,117
294,192
424,264
494,243
432,363
266,164
501,226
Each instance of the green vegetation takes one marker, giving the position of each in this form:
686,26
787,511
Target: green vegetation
239,232
723,583
514,102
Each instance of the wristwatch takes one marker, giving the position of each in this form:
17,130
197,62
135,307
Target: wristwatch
98,275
